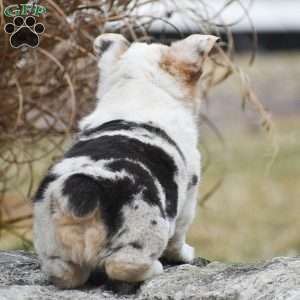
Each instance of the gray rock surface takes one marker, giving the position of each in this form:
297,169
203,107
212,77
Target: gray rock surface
277,279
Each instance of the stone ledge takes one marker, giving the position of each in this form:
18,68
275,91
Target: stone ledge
277,279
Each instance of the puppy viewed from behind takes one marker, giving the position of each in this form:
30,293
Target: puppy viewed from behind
125,193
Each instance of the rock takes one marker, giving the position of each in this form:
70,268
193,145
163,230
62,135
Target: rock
277,279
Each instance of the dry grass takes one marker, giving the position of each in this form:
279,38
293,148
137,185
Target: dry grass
255,213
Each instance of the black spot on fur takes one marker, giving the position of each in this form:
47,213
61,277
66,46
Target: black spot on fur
43,186
118,147
130,126
115,194
52,206
84,194
103,46
153,222
193,181
136,245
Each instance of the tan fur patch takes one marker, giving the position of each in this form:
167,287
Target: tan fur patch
82,238
124,271
187,73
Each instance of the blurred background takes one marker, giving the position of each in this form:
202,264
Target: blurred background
250,118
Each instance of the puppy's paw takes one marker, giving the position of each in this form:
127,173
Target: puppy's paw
155,269
132,272
187,253
178,255
64,274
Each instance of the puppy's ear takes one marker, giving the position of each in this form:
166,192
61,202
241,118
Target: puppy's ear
185,58
194,47
110,46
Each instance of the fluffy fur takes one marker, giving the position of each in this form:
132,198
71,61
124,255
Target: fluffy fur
125,193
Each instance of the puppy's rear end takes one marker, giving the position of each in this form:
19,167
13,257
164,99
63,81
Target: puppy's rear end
101,207
68,229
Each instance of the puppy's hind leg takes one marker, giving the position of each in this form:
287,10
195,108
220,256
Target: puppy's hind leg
155,269
132,271
178,250
69,238
65,274
132,264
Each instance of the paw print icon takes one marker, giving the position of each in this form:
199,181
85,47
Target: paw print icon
24,32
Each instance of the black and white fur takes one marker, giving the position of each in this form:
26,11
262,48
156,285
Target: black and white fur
125,193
